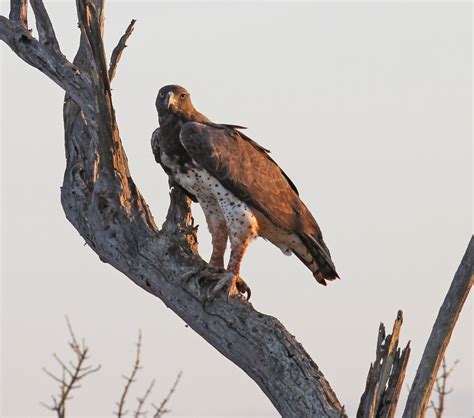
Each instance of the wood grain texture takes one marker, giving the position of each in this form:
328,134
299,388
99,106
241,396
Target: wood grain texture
19,12
118,50
43,24
386,375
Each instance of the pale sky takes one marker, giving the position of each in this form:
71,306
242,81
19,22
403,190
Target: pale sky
366,106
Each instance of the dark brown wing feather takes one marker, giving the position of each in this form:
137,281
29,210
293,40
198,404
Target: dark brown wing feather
245,168
250,174
235,130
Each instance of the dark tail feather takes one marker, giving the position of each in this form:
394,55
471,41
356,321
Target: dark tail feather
316,247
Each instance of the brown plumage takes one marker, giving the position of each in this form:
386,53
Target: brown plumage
229,173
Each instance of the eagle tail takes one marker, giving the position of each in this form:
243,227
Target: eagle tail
323,268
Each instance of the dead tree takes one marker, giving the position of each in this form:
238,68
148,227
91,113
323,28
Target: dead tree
103,203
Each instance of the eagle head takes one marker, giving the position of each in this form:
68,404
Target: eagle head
174,99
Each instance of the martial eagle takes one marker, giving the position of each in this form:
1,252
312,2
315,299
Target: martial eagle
243,192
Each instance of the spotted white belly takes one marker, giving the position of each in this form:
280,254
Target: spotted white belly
216,201
243,224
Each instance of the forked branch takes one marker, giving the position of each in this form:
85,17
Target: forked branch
440,388
71,375
141,401
73,372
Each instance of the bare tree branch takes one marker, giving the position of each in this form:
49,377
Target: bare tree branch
90,25
69,380
51,63
130,379
118,50
386,374
59,380
43,25
440,388
161,410
141,400
440,335
19,12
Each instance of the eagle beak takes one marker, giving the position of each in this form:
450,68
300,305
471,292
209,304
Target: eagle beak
169,99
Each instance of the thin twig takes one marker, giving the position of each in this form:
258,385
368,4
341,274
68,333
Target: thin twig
118,50
69,380
440,388
141,401
130,379
161,410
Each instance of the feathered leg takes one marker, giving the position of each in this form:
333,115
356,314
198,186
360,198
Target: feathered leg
239,246
242,227
220,234
217,226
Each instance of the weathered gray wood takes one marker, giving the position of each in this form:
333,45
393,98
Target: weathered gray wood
392,393
101,200
443,327
51,63
118,50
43,24
386,375
19,12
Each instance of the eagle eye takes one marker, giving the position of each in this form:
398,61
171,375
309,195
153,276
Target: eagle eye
162,94
183,95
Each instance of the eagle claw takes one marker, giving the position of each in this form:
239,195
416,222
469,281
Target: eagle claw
203,275
220,279
237,287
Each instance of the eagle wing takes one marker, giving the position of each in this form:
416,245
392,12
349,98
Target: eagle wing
245,169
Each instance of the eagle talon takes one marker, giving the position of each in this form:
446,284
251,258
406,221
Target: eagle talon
237,288
200,278
243,288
